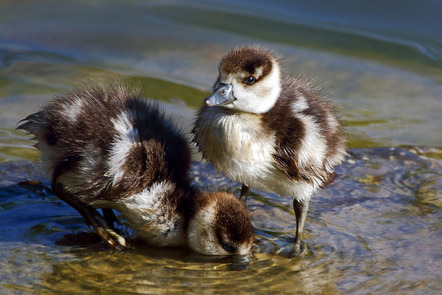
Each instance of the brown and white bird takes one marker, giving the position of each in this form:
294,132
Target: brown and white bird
104,147
269,131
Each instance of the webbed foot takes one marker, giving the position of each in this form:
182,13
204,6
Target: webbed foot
93,218
298,247
102,228
292,251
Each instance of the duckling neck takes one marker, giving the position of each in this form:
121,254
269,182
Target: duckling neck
188,202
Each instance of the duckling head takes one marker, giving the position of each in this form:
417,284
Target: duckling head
221,226
249,80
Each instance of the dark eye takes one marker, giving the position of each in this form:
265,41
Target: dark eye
229,248
250,80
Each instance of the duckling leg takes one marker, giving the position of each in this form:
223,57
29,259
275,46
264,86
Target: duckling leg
104,231
109,216
243,196
92,217
301,209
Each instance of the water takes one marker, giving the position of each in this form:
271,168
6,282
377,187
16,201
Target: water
377,229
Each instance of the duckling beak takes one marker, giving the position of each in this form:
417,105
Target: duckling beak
223,95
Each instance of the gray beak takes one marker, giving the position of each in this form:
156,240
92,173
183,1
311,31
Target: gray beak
223,95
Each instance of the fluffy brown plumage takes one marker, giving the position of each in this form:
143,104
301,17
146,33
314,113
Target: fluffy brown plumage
104,147
269,131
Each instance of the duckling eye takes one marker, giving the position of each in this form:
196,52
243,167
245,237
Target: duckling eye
250,80
229,248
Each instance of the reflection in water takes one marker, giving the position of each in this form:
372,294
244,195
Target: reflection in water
155,271
375,229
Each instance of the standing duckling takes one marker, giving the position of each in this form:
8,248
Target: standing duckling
106,148
269,131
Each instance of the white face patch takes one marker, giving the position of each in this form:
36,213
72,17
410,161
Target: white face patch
201,232
126,139
71,110
257,98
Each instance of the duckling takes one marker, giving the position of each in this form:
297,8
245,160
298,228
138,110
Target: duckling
269,131
106,148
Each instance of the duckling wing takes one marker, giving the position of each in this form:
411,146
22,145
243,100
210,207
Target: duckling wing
301,122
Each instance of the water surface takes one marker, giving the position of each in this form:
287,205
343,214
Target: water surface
376,229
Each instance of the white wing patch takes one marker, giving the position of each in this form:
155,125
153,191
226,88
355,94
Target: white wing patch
72,109
300,105
313,147
127,137
150,215
147,205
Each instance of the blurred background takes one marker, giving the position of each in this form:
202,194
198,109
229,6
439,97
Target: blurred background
379,61
376,230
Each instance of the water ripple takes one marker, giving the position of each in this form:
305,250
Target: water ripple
375,226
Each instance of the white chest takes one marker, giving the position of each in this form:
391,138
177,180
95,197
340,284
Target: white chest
236,144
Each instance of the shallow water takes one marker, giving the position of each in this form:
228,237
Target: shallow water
375,230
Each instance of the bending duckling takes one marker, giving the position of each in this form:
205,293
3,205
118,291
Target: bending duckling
106,148
269,131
